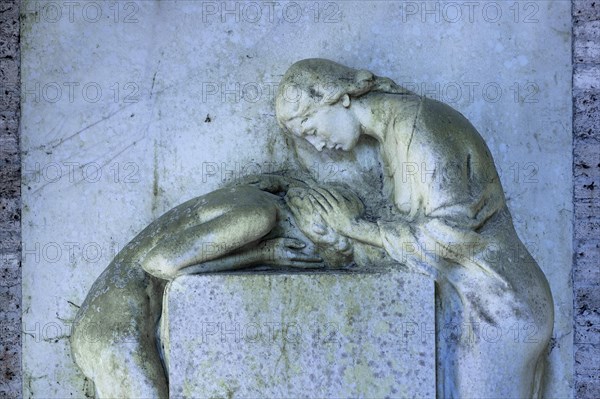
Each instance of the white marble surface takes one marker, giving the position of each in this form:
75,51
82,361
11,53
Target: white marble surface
302,336
165,69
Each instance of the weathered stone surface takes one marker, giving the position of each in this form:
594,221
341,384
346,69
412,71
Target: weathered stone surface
587,157
9,29
9,95
586,77
9,72
586,357
10,354
587,387
586,43
10,268
587,315
588,228
586,132
586,271
11,243
10,215
9,297
586,123
301,335
10,204
585,10
586,212
586,188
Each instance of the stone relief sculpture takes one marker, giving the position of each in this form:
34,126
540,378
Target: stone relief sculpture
449,221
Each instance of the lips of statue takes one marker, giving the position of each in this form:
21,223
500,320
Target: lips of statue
332,127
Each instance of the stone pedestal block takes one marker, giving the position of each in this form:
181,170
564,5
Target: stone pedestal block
317,335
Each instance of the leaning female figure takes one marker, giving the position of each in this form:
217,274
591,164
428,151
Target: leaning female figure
452,222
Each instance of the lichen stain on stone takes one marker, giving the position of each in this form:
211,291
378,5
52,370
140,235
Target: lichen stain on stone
354,375
76,380
271,144
155,178
27,20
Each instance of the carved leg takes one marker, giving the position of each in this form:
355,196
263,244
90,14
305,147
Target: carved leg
540,368
113,339
210,240
120,380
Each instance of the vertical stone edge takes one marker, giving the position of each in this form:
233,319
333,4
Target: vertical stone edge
10,202
586,197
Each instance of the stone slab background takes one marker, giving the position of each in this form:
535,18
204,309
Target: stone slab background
586,89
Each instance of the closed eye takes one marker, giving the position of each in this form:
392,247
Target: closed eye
310,132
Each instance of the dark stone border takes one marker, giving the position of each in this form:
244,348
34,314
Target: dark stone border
10,203
586,198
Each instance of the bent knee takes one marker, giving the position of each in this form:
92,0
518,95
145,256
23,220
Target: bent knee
93,336
127,370
255,220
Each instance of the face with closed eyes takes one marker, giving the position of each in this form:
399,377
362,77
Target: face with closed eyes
331,126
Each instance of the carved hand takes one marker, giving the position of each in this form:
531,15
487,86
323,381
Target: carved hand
289,252
271,182
337,210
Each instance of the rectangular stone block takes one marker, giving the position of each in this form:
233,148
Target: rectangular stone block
309,335
586,124
585,77
586,271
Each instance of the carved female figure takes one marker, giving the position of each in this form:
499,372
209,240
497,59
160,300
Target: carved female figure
452,221
116,333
